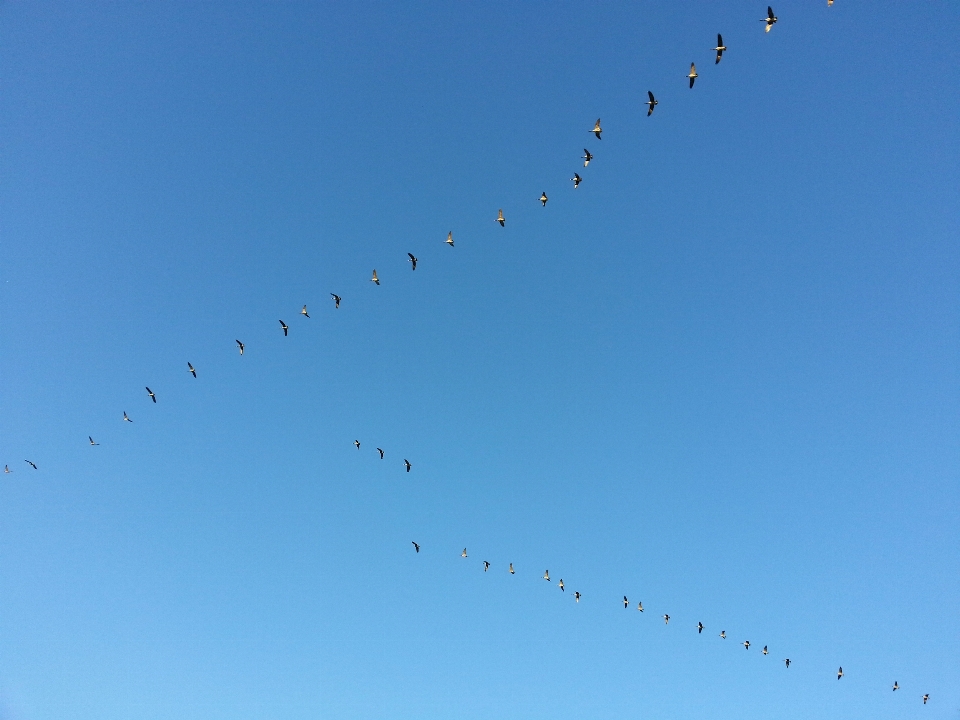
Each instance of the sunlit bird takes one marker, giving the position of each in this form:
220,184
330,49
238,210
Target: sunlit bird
546,575
126,417
191,370
723,634
544,198
597,129
152,396
91,440
764,651
560,585
6,469
381,453
770,19
699,628
587,157
896,686
486,566
500,217
283,326
336,301
576,180
640,607
840,672
240,345
692,74
464,553
375,279
412,260
651,103
450,238
31,464
303,310
407,465
511,569
719,48
415,546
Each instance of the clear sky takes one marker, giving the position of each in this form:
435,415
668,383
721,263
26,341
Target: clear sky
721,377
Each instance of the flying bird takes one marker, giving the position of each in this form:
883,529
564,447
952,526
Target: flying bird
407,464
283,326
543,199
560,585
91,440
666,619
450,238
576,596
375,279
546,575
770,19
829,3
126,417
699,628
303,310
787,662
357,443
723,634
764,651
692,74
925,698
640,606
6,469
840,673
500,217
626,603
336,301
576,180
651,103
511,569
464,553
30,464
597,129
746,644
486,566
240,345
191,370
413,260
896,686
587,157
152,396
415,546
719,48
381,453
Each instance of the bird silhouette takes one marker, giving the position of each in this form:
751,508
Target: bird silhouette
283,326
699,628
560,585
543,199
770,19
511,569
152,396
500,217
597,129
7,470
126,417
746,644
407,464
303,310
336,301
240,345
840,673
787,662
651,103
375,279
91,440
896,686
415,546
626,603
925,698
719,48
723,634
666,619
576,596
640,607
31,464
381,453
449,240
692,74
412,260
587,157
357,443
464,553
546,575
764,651
486,566
191,370
576,180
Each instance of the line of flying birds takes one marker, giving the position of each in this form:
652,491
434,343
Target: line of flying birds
769,21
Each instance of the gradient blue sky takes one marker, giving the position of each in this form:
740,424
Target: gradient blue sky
721,377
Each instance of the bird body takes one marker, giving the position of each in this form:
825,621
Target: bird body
587,157
597,129
719,48
240,345
375,279
764,651
464,553
283,326
896,686
692,74
626,603
191,370
152,396
746,644
576,596
576,180
771,19
787,662
723,634
543,199
652,102
450,238
412,260
500,217
925,698
6,469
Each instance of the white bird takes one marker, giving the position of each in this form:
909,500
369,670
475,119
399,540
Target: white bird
723,634
764,651
500,217
699,628
450,238
626,603
6,469
692,74
770,19
597,129
925,698
375,279
896,686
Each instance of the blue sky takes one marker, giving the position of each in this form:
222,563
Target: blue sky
720,377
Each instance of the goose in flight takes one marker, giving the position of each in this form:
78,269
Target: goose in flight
357,443
764,651
303,311
283,326
511,569
375,279
91,440
666,619
31,464
416,546
336,301
412,260
576,180
925,698
723,634
544,198
152,396
126,417
486,566
692,74
746,644
626,603
500,217
6,469
560,585
787,662
191,370
770,19
640,607
464,553
546,575
896,686
450,238
240,345
407,464
587,157
651,103
699,628
381,453
597,129
719,48
576,596
840,672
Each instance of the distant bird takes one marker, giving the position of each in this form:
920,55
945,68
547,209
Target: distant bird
543,199
486,566
413,260
770,19
840,673
407,464
626,603
375,279
746,644
896,686
126,417
576,596
336,301
283,326
719,48
511,569
764,651
381,453
152,396
546,575
91,440
787,662
450,238
651,103
699,628
415,546
692,74
723,634
925,698
191,370
6,469
576,180
597,129
303,310
357,443
640,607
560,585
829,3
666,619
240,345
28,462
500,217
587,157
464,553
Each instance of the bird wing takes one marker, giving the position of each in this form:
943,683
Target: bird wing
770,12
650,95
719,40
